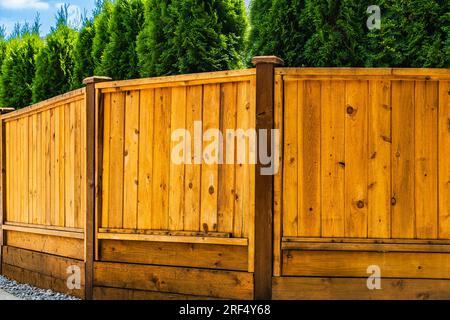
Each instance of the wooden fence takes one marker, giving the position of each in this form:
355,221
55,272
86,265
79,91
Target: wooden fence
364,176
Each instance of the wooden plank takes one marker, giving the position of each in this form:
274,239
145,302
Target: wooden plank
161,160
444,162
46,264
361,240
175,254
69,165
426,161
176,180
356,141
278,178
48,177
309,122
288,288
290,156
104,221
41,280
53,194
30,164
379,166
209,190
7,161
41,170
131,158
146,125
403,208
192,188
167,232
61,167
105,293
77,164
333,158
221,284
44,243
174,238
355,264
377,247
59,233
3,185
226,198
116,190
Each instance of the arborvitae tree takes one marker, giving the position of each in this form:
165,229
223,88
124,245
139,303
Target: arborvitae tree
153,48
84,62
208,35
18,70
2,45
339,33
260,28
101,30
120,59
55,62
413,33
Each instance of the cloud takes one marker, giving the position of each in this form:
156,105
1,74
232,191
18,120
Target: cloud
24,4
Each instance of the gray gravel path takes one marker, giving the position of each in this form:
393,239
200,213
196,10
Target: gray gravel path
26,292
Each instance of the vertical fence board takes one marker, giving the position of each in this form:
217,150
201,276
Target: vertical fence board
146,125
104,221
356,159
116,161
209,190
332,158
227,170
176,183
192,188
444,160
131,157
426,195
379,157
62,162
161,159
403,216
309,209
290,163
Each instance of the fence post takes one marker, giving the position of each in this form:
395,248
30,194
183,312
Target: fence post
92,121
265,67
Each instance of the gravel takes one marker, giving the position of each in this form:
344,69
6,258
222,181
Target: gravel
27,292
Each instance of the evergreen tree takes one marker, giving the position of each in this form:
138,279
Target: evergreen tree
260,13
2,45
209,35
153,48
102,16
120,59
18,70
84,62
55,62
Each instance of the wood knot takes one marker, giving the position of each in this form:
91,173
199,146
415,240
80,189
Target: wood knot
342,164
393,201
350,110
190,185
211,190
360,204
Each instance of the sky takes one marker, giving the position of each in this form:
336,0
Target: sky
13,11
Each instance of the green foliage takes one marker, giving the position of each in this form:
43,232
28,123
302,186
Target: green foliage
120,60
185,36
55,63
84,62
18,70
2,45
101,38
153,48
414,33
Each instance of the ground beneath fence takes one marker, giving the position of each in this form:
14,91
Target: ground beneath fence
12,290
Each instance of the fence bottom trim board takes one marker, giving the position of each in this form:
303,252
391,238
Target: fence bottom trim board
319,288
41,270
190,281
198,255
106,293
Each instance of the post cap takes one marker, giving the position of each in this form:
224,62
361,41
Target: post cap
96,79
267,59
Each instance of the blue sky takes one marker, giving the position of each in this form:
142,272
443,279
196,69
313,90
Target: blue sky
12,11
